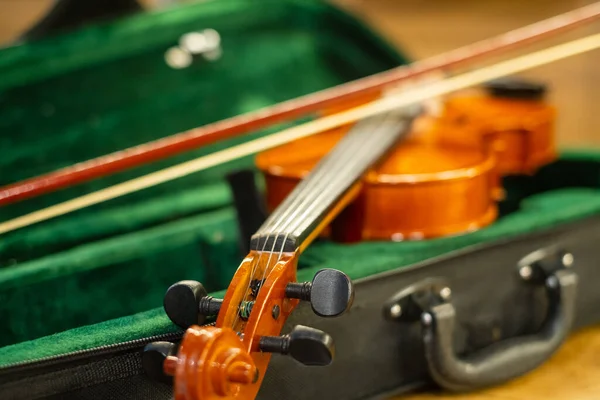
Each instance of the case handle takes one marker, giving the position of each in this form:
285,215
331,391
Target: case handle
429,301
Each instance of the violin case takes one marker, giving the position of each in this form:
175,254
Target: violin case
81,295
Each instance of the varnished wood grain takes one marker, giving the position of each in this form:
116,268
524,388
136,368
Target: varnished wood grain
573,373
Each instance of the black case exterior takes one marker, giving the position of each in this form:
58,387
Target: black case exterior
375,357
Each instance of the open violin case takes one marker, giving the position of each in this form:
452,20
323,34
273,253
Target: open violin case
81,295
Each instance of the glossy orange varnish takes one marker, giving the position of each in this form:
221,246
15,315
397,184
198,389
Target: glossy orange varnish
419,190
521,132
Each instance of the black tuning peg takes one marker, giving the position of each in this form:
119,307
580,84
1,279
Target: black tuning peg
330,293
187,303
153,358
306,345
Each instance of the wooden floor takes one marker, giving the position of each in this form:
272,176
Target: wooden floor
572,374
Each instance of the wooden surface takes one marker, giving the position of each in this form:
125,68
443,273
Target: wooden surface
572,374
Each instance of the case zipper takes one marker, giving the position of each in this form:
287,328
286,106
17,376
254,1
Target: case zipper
82,354
100,351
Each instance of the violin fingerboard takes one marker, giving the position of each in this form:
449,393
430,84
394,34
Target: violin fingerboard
318,193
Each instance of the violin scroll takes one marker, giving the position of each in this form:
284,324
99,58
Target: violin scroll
229,360
211,363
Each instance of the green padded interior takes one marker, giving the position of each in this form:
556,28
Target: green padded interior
88,279
108,87
567,190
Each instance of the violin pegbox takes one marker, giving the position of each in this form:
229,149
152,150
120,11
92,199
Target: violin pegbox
229,360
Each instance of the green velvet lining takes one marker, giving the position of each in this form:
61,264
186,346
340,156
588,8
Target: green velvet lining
63,282
137,326
107,87
124,283
113,277
65,233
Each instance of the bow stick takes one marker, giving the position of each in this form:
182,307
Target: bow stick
195,138
409,97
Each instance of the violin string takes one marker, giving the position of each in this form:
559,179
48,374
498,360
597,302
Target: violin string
344,164
268,267
285,223
304,189
337,166
304,197
255,264
298,195
324,187
316,183
279,224
414,96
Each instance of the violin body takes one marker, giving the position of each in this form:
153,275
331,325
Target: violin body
443,180
407,196
510,118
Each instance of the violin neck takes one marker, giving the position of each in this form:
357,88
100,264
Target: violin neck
317,195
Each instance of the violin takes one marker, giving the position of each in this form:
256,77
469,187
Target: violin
229,359
445,179
408,195
383,178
